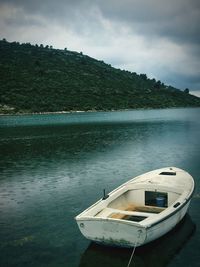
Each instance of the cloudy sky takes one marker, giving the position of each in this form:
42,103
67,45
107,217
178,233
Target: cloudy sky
158,37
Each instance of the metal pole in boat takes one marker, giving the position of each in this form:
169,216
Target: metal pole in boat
104,194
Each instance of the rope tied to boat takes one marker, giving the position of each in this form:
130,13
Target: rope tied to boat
132,254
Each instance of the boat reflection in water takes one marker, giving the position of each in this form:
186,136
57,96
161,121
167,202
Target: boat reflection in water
155,254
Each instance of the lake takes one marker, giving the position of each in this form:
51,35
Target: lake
53,166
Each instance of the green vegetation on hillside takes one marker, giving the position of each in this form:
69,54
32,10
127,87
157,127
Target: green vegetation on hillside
43,79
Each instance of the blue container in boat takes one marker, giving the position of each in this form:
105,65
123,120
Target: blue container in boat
160,202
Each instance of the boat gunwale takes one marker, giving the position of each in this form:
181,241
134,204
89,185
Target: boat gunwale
136,224
188,197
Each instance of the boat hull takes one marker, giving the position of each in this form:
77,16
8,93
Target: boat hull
123,234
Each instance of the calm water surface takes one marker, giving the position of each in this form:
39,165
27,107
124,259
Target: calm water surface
54,166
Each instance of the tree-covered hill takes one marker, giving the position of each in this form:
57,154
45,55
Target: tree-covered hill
43,79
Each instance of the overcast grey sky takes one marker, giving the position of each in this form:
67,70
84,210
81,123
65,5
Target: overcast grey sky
158,37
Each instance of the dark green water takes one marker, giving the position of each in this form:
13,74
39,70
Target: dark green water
54,166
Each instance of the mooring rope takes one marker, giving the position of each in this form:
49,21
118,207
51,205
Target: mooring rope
139,233
131,256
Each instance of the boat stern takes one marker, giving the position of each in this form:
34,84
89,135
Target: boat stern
112,232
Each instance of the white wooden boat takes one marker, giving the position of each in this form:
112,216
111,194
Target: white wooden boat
139,211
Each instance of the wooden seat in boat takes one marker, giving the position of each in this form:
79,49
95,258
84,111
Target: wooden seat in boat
147,209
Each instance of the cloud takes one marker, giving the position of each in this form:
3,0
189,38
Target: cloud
175,19
196,93
156,37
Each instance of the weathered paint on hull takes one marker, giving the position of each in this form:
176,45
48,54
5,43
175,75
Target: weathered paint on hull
114,233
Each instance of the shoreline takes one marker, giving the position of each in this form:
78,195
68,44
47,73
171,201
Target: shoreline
86,111
46,112
72,111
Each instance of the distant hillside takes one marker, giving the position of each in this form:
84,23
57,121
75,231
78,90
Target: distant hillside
43,79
